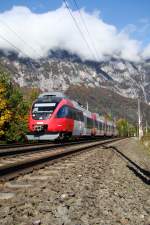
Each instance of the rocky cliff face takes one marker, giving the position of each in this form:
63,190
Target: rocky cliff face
60,70
129,79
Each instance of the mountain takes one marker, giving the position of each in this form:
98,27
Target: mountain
60,70
109,87
105,101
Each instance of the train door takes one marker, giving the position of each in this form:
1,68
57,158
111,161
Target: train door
78,129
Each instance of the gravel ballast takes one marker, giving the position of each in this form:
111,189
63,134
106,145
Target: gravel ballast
95,187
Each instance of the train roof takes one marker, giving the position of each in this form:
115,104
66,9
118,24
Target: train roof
53,94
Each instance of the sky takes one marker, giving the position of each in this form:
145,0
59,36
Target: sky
127,23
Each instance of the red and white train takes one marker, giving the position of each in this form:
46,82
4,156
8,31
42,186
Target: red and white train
54,116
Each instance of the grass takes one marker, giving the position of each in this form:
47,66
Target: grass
146,141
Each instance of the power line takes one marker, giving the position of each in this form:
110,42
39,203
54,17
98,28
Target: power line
18,50
79,29
86,28
18,36
12,45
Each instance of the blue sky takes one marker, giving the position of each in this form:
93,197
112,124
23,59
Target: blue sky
130,16
117,12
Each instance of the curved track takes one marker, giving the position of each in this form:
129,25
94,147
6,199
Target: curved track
11,146
18,149
39,156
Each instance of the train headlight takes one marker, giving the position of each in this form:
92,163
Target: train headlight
38,128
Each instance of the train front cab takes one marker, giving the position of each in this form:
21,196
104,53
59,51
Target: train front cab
51,126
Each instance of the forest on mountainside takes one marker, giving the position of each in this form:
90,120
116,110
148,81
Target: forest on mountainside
104,101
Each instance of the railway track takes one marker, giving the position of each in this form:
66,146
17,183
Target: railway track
25,160
13,146
14,150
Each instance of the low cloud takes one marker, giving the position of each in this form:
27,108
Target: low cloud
34,35
146,52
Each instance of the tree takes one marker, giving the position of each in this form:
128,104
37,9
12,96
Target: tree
13,110
5,112
31,95
108,116
122,126
132,130
125,128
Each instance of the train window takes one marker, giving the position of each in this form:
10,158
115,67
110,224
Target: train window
43,109
103,126
97,126
73,114
77,115
63,112
89,123
70,113
100,125
84,119
81,116
106,127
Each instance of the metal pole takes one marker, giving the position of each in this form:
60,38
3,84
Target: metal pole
146,127
87,105
139,120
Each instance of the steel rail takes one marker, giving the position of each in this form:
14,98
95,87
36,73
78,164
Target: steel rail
9,152
21,145
12,146
28,164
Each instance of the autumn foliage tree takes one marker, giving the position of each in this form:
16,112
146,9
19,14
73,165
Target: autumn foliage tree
13,110
122,126
125,128
5,112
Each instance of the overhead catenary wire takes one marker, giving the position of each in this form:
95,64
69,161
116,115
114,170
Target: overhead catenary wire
11,44
17,49
79,29
23,41
86,28
18,36
76,23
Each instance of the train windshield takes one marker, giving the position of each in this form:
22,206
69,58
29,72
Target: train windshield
42,111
